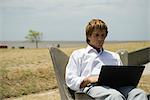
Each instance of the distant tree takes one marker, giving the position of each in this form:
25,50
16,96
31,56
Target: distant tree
34,36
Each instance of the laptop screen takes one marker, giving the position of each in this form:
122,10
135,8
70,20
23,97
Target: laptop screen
117,76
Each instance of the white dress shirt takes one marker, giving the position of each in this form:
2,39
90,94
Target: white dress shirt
85,62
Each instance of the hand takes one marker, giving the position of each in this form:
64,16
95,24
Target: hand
93,79
88,80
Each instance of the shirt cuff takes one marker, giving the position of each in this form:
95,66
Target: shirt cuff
80,81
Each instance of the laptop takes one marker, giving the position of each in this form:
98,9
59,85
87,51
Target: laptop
118,76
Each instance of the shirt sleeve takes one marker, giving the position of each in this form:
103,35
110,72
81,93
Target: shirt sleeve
72,76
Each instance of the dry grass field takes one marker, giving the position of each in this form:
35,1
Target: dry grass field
26,71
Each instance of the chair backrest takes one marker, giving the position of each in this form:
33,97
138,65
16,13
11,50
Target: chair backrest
123,56
60,60
139,57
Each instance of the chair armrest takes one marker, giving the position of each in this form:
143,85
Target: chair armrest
82,96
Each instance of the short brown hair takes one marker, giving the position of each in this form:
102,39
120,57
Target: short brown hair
95,24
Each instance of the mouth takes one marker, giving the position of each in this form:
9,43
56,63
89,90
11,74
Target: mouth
100,44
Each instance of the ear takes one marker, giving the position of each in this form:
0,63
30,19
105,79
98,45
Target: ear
89,37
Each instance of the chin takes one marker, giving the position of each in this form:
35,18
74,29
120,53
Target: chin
99,47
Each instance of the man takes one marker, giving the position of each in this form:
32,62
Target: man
84,66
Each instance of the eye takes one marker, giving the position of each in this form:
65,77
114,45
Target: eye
102,35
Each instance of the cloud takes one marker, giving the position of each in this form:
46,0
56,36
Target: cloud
54,3
24,3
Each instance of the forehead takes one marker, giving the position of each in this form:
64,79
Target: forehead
99,31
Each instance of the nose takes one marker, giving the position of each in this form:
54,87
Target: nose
101,39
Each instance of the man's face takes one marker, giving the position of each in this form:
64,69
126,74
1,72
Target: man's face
97,38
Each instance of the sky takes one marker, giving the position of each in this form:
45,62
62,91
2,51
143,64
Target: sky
65,20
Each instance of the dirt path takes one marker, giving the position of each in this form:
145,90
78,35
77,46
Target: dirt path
48,95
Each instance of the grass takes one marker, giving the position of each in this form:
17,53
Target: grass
26,71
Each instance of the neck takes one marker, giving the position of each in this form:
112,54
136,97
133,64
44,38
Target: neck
97,49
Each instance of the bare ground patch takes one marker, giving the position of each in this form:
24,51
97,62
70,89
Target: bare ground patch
47,95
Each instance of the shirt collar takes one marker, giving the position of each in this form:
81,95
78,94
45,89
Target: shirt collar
91,49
